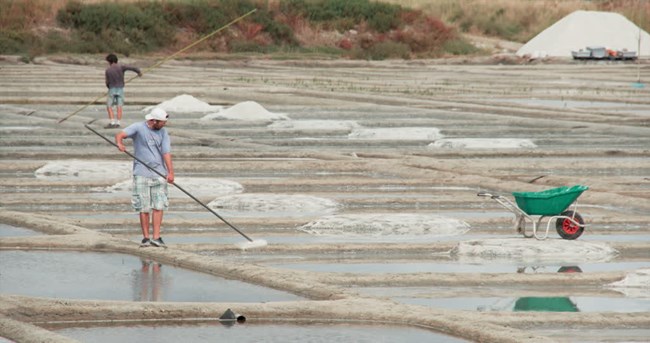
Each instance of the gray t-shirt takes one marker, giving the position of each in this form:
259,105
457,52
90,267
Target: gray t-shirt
115,74
149,146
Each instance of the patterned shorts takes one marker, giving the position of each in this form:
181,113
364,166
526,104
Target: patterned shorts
149,193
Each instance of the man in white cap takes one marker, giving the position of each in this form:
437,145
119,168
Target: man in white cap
152,145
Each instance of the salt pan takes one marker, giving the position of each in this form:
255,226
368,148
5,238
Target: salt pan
396,133
483,143
533,250
275,205
392,226
197,186
247,110
184,104
88,170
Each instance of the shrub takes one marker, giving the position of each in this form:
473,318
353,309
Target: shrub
280,33
459,47
122,27
379,16
13,42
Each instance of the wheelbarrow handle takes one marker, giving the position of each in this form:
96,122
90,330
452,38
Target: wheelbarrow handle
486,194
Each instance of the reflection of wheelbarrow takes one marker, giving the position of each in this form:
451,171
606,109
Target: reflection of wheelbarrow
551,204
545,304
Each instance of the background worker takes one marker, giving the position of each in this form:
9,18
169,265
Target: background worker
151,145
115,83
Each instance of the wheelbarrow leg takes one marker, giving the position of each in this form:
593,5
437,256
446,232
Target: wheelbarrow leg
539,221
520,225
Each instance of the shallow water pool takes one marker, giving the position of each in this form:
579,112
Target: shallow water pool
241,333
538,304
457,267
110,276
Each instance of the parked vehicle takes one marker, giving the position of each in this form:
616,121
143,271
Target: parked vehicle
602,53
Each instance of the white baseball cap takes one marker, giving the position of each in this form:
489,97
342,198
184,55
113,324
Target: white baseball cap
157,114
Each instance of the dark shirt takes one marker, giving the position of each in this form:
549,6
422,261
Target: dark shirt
115,74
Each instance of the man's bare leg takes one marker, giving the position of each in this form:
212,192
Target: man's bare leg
144,224
157,222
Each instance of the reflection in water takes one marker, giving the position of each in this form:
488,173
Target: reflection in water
563,269
147,281
540,304
545,304
549,304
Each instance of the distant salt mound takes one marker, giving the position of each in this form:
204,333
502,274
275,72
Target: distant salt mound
314,124
87,170
184,104
197,186
581,29
391,226
483,143
396,133
533,250
274,205
247,110
635,284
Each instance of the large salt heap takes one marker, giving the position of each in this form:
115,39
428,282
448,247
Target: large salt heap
581,29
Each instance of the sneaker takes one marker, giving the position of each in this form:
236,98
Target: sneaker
109,126
158,242
145,242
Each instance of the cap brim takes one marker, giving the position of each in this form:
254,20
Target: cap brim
150,117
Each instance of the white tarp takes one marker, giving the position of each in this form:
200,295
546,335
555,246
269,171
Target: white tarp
587,28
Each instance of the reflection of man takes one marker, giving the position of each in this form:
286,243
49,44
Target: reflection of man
148,281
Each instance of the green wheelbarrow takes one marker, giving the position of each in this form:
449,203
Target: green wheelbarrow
551,204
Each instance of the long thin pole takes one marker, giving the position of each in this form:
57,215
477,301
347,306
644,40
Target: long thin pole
638,59
175,184
164,60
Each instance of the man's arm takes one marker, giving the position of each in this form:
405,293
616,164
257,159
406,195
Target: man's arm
118,140
170,168
131,68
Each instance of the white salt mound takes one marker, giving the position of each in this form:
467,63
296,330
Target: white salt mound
533,250
184,103
635,284
396,133
247,110
581,29
391,226
483,143
87,170
314,124
275,205
197,186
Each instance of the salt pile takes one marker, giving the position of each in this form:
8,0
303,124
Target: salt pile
392,226
396,133
197,186
314,124
587,28
275,205
635,284
87,170
483,143
184,104
247,110
533,250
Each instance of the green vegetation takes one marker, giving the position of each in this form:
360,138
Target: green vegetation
356,28
362,29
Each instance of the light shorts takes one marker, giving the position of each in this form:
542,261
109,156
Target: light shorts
115,97
149,193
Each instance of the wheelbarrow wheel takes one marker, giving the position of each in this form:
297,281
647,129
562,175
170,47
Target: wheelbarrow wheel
568,229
